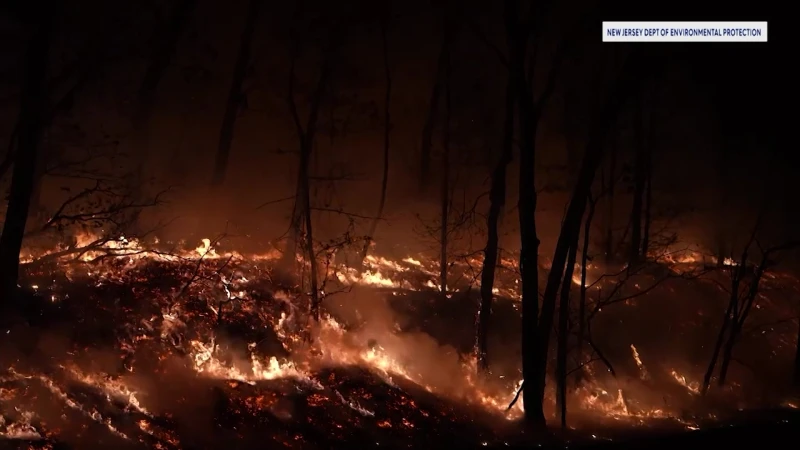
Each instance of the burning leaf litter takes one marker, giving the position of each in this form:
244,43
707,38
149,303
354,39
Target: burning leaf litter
180,310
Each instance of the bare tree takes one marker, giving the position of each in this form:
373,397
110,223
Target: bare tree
648,188
585,258
301,223
563,337
32,109
165,41
624,85
497,199
444,199
387,127
609,219
235,94
530,112
639,181
743,294
430,120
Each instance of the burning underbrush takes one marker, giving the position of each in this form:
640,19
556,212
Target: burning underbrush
198,348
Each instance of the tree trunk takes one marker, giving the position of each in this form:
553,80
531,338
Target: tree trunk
387,126
727,355
648,190
306,137
609,222
563,336
288,259
738,321
430,121
445,187
306,146
587,229
165,42
31,117
635,250
311,255
235,94
497,199
717,349
571,130
730,318
529,250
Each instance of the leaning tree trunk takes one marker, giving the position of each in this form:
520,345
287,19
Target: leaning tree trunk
648,190
727,354
445,187
235,94
587,229
497,199
31,116
738,323
563,336
165,41
430,121
717,347
307,144
634,255
387,127
308,243
572,128
609,222
730,318
306,138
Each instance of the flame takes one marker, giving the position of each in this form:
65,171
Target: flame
691,386
211,292
639,362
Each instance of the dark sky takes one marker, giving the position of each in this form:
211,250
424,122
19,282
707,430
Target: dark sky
719,97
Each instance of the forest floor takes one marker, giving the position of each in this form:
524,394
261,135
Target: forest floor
139,356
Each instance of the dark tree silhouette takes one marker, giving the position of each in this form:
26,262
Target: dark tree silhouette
624,85
563,337
387,128
610,184
165,40
444,199
530,109
639,181
497,199
743,294
235,94
31,117
430,120
301,223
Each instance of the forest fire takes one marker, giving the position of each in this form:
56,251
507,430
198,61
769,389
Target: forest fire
210,319
317,225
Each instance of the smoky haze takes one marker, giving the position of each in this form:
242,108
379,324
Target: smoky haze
690,131
241,126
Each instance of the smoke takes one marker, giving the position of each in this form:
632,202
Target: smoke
374,324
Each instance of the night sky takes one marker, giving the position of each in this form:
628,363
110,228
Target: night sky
716,99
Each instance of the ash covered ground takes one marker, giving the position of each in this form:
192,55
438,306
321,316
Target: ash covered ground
130,346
